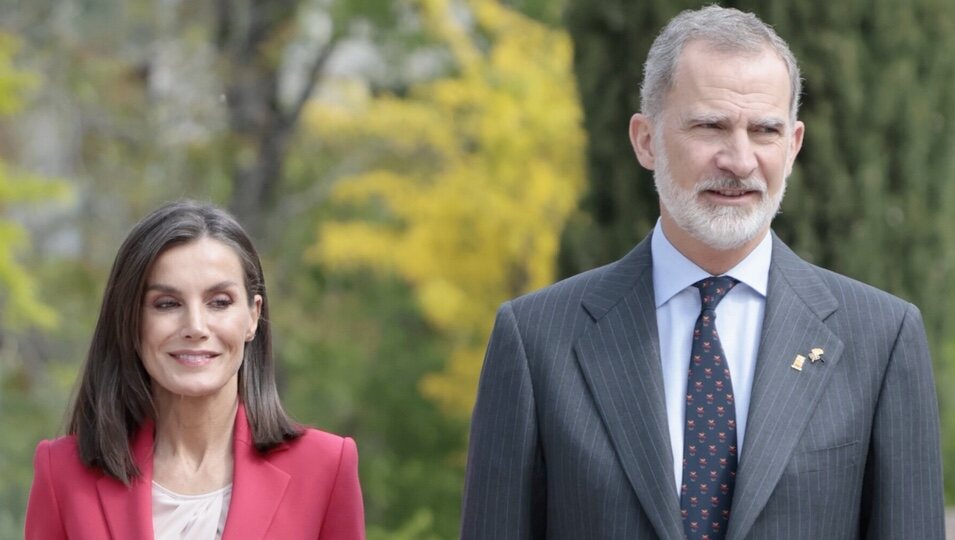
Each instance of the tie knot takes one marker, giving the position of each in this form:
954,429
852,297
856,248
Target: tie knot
713,289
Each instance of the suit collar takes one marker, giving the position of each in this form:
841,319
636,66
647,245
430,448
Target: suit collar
257,489
618,279
128,510
673,272
783,398
620,360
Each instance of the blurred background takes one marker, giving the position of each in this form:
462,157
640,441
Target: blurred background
406,165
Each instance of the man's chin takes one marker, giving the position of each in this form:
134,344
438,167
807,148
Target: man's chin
727,236
723,243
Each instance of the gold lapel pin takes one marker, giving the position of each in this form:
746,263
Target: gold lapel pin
798,362
816,354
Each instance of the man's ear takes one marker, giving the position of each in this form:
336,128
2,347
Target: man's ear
641,138
799,130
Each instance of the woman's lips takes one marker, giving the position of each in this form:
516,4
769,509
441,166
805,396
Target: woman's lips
193,358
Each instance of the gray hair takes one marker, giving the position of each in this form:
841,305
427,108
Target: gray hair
726,30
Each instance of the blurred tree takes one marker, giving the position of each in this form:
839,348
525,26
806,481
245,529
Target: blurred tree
870,196
611,40
141,102
157,100
475,176
549,12
353,356
21,306
19,302
252,38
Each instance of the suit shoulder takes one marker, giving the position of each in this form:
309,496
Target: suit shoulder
852,292
567,290
62,460
318,444
62,450
849,294
316,439
862,305
317,458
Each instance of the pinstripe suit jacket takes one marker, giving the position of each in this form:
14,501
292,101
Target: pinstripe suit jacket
569,437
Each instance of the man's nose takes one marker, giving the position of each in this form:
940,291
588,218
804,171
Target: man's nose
738,155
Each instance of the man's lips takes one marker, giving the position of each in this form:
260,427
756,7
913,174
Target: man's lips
729,196
731,192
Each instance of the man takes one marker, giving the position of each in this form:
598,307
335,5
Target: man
710,384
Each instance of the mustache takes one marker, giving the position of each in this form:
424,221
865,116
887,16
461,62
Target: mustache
731,183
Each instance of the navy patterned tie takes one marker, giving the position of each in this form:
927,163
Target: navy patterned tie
709,432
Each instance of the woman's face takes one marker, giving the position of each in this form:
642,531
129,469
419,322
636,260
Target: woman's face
196,320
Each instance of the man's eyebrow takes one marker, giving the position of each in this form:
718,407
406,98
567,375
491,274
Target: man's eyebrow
169,289
705,118
769,123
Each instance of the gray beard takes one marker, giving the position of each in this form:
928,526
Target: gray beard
719,227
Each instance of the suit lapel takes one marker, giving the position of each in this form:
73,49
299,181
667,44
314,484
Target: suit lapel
783,398
128,510
257,487
619,356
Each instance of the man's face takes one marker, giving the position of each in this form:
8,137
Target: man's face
723,146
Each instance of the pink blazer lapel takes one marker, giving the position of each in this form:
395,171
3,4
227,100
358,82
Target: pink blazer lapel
128,510
257,487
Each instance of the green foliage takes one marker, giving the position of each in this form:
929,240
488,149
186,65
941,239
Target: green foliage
127,143
19,302
470,179
14,82
611,40
549,12
19,305
353,350
871,194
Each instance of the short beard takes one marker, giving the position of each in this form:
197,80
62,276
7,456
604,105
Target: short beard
720,227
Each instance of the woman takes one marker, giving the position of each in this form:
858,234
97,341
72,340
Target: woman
177,430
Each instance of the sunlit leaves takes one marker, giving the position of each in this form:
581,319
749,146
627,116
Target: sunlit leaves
470,178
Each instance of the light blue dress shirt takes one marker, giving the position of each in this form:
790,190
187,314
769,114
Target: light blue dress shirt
739,321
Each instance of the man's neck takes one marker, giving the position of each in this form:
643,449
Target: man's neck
714,261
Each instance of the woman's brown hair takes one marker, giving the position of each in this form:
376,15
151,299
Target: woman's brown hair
114,397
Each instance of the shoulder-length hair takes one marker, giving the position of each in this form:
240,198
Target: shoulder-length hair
114,397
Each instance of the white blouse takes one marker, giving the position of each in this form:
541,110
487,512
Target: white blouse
190,517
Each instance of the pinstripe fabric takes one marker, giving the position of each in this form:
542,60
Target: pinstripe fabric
569,437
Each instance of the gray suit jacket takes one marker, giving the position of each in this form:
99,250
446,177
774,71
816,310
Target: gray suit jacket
569,438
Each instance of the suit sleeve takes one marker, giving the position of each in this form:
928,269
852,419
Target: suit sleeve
345,514
504,492
902,490
43,519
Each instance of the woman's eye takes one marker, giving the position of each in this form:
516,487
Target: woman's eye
221,302
164,304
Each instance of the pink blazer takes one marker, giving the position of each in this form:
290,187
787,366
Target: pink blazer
307,488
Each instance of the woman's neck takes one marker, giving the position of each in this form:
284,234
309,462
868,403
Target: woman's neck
192,451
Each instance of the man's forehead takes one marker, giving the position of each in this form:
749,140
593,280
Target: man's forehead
758,78
697,48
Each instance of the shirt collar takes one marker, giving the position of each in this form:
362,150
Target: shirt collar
673,272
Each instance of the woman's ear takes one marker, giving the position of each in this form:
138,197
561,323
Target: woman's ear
255,310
